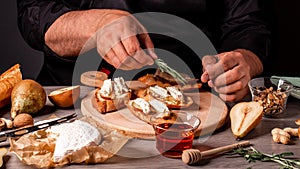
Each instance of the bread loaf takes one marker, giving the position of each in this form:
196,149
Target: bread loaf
8,80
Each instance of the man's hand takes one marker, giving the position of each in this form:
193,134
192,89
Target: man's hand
229,73
124,43
119,38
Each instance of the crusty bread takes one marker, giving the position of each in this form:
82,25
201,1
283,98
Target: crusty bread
7,81
105,105
153,108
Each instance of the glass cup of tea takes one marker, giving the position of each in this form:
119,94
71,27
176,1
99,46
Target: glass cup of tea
174,133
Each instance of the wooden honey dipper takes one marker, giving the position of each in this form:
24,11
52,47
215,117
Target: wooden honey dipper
192,156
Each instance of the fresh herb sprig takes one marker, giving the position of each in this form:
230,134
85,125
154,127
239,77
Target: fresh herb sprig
165,68
252,155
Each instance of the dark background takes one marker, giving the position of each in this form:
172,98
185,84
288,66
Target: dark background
13,48
285,50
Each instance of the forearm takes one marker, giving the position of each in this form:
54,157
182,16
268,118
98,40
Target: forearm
70,32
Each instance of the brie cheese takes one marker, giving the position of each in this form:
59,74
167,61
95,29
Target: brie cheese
73,136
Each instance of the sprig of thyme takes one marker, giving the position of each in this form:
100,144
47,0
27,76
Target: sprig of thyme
252,155
165,68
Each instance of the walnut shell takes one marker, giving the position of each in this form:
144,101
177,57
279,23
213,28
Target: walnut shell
22,120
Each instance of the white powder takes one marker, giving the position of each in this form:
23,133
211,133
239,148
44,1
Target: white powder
73,136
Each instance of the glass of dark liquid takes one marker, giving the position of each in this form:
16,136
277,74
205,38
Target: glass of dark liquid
174,132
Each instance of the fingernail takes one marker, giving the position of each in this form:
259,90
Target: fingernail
204,77
210,83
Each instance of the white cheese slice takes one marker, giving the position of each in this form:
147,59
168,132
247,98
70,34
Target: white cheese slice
119,86
175,93
73,136
158,92
141,104
107,89
159,106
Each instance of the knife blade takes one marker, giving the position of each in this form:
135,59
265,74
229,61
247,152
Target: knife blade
19,132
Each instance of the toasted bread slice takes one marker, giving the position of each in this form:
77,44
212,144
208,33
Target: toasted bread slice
145,110
141,109
7,81
105,105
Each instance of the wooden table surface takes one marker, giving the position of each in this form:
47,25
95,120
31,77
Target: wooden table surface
142,153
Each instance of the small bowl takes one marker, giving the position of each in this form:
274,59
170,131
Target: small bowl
271,93
174,133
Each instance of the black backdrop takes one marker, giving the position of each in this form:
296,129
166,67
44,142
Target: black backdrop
285,52
13,48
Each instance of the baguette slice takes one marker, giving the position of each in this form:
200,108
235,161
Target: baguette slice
105,105
140,109
7,82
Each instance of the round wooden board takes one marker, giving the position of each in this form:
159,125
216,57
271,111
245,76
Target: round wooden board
211,110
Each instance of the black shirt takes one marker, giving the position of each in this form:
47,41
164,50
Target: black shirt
229,24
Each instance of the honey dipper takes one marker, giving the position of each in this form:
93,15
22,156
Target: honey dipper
192,156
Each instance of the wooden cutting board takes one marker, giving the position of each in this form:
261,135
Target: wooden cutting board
211,110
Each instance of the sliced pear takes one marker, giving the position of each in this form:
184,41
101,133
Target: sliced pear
244,117
65,97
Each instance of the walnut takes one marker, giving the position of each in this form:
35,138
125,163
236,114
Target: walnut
22,120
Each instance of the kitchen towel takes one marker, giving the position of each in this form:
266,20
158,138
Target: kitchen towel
295,81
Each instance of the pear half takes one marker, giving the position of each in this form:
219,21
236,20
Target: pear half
244,117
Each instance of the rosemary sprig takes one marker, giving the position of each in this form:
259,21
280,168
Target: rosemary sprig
165,68
252,155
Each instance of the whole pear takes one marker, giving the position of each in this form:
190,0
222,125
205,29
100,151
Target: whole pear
27,96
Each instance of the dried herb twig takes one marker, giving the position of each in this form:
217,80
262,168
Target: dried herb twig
252,155
165,68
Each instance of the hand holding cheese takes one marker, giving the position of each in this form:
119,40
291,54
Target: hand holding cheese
244,117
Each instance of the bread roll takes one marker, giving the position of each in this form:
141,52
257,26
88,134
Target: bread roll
7,82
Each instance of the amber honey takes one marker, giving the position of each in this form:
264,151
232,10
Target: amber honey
172,139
